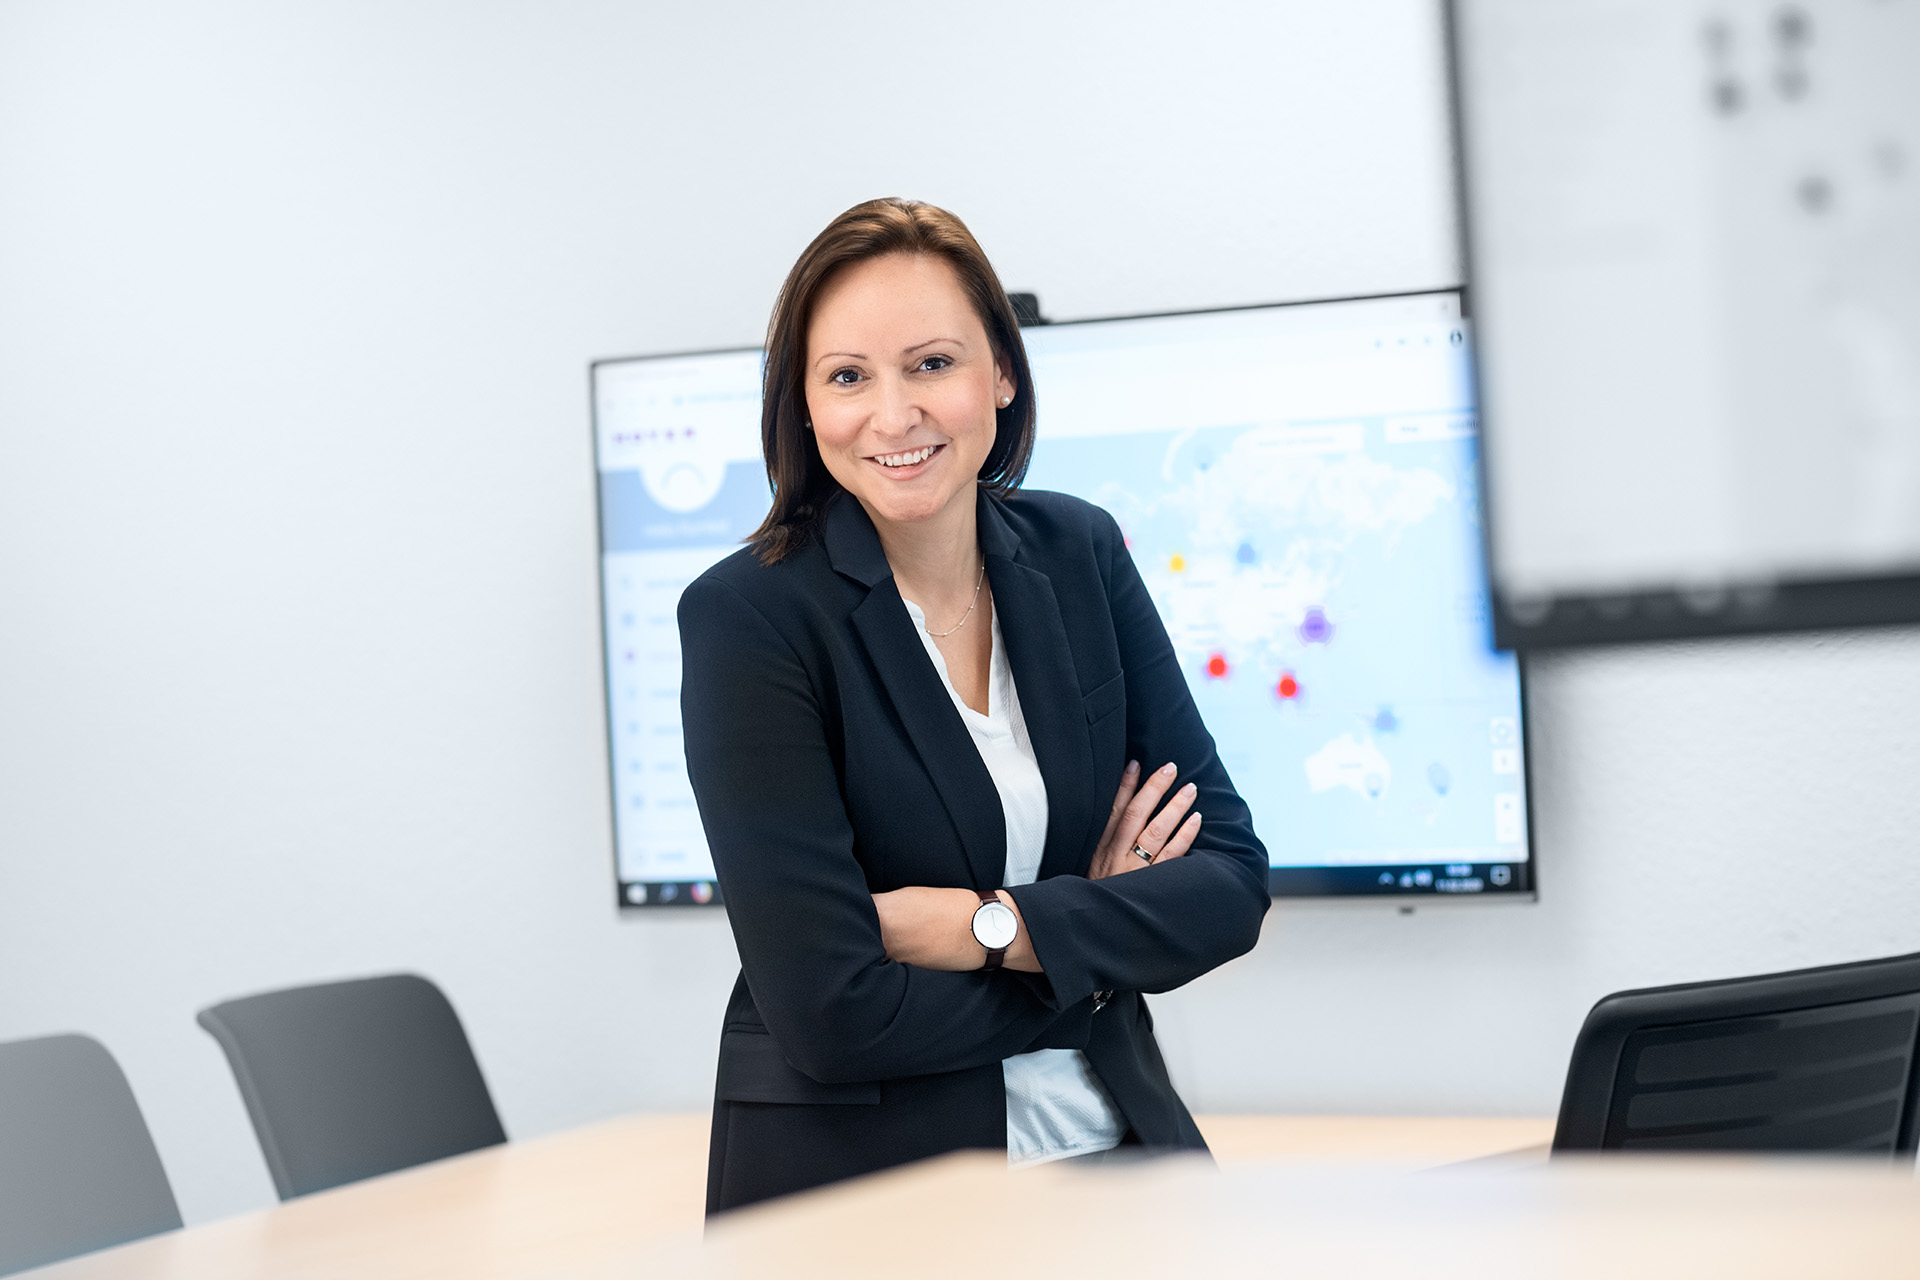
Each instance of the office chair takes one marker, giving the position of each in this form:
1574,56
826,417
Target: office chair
78,1170
346,1080
1816,1060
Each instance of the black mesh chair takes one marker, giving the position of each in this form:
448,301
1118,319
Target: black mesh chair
351,1079
78,1170
1817,1060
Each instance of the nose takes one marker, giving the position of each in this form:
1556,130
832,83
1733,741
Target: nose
895,410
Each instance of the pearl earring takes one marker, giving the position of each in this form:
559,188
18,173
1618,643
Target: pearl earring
1005,401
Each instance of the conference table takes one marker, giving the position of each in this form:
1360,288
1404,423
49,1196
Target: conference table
1292,1195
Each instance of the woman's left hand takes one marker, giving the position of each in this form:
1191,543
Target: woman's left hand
933,929
1133,825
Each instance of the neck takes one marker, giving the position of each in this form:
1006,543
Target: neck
937,559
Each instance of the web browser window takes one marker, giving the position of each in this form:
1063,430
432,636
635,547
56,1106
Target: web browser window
1299,488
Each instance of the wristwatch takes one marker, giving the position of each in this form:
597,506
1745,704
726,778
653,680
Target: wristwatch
994,927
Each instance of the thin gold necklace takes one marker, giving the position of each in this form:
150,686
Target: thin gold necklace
978,583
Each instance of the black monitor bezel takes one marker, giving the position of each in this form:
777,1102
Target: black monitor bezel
1294,884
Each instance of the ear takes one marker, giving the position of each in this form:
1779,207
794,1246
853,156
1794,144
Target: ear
1005,387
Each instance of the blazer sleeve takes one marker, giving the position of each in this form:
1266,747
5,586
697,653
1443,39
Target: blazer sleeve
1160,926
802,916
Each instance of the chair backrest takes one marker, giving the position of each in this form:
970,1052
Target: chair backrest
350,1079
1813,1060
78,1170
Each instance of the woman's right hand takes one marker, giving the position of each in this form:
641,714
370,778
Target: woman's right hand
1133,824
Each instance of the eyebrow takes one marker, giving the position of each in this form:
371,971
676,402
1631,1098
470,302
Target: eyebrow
856,355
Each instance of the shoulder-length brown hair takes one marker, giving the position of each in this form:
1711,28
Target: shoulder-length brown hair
802,486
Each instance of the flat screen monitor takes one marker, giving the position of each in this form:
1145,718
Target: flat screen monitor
1299,488
1693,242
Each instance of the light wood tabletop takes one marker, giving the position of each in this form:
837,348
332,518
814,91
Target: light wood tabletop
964,1217
1320,1195
524,1209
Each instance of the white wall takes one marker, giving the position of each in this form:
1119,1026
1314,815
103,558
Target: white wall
298,653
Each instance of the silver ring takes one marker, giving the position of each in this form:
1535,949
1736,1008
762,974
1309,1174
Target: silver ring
1143,855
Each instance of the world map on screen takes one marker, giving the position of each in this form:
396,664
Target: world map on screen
1322,587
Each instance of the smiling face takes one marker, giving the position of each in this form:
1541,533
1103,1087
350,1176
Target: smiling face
901,386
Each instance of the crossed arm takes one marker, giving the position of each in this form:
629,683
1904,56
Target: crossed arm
858,986
931,927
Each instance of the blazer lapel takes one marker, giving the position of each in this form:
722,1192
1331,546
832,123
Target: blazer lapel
927,714
1050,699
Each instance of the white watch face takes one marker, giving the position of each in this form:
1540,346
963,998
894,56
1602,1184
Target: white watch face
994,925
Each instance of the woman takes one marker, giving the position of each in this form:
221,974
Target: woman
907,704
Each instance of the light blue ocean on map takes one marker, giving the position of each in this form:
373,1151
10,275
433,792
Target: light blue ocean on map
1323,588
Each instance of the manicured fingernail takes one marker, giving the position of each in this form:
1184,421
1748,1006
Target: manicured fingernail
1133,766
1189,791
1168,768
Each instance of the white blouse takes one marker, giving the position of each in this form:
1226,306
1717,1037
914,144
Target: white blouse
1056,1107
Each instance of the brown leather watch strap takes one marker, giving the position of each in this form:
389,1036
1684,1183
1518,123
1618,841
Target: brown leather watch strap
994,958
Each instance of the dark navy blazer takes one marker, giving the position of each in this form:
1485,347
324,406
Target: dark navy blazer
829,765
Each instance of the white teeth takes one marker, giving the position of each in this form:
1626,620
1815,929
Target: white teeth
904,459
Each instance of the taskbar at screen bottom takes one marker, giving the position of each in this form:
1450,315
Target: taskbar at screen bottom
1440,879
669,893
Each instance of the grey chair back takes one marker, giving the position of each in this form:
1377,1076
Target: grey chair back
78,1170
347,1080
1813,1060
